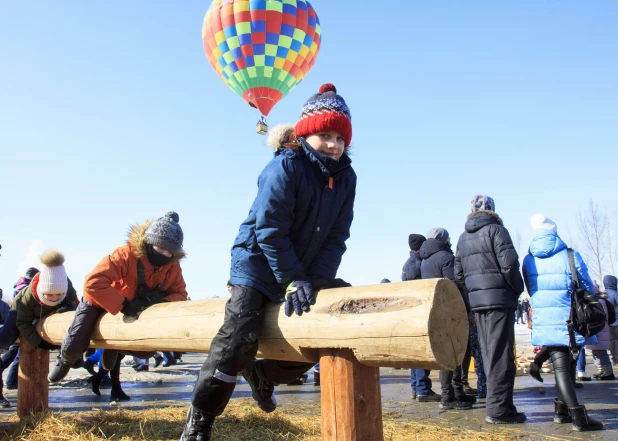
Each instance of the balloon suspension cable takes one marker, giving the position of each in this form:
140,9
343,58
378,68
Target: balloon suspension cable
261,128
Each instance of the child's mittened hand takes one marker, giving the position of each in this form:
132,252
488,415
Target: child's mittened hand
299,297
47,346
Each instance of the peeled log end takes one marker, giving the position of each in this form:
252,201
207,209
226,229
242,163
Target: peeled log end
447,320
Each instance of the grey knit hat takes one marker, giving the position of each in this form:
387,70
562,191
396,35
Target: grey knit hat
440,234
165,233
482,202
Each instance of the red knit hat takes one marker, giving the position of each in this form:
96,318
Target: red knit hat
325,111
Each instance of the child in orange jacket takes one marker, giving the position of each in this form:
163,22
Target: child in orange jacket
135,276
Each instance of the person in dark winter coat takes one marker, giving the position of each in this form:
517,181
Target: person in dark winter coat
610,283
487,264
144,271
412,268
419,378
290,245
11,357
549,280
5,309
439,263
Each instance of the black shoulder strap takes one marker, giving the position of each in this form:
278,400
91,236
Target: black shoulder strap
141,273
573,269
572,342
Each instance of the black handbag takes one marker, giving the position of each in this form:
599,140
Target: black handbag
587,316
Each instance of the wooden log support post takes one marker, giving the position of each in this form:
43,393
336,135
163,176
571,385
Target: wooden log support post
33,387
351,398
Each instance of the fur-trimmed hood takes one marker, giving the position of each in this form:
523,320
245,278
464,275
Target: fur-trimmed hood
137,241
478,219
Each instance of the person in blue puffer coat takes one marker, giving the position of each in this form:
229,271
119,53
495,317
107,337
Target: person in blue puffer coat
290,246
548,279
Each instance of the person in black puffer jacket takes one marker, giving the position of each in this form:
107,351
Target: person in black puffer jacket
487,263
438,263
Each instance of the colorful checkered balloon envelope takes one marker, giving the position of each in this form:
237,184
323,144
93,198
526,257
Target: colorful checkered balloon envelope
261,48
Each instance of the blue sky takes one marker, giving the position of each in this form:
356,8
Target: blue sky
112,115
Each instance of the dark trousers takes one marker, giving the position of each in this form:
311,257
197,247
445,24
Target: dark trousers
496,329
564,369
420,381
465,364
5,361
233,348
77,340
451,384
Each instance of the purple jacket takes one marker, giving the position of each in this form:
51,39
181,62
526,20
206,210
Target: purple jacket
21,283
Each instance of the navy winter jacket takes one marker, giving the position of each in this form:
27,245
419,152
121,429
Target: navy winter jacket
439,263
412,268
610,283
298,223
487,264
438,260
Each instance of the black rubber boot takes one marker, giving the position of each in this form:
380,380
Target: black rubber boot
58,372
198,426
95,381
561,412
89,366
4,403
581,422
117,392
262,390
535,371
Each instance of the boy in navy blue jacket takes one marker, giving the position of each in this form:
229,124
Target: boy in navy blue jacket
290,245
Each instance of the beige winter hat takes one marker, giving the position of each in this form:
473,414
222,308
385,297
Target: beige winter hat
53,276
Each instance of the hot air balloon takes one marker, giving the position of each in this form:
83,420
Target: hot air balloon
261,48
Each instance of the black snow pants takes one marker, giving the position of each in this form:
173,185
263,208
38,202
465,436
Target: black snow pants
77,340
496,328
235,346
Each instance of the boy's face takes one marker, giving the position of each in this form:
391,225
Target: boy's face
331,144
53,297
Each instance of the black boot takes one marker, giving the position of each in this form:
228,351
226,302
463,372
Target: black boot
89,366
95,381
535,371
262,390
561,412
4,403
117,393
198,426
581,422
58,372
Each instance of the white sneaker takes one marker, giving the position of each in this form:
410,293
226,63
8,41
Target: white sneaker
582,376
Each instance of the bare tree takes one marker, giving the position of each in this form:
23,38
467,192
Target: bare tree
592,228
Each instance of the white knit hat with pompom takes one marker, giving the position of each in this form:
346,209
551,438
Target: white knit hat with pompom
53,276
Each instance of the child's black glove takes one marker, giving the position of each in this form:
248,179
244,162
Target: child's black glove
45,345
134,307
298,297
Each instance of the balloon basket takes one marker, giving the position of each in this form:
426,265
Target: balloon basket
261,128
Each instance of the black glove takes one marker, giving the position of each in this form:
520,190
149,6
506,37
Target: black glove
319,284
298,297
134,307
47,346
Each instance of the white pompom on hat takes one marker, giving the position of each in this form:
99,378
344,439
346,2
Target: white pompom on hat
541,221
53,276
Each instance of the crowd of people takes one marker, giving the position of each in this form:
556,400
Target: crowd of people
290,247
485,267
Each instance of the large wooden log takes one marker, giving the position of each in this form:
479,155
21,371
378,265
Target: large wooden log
418,324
